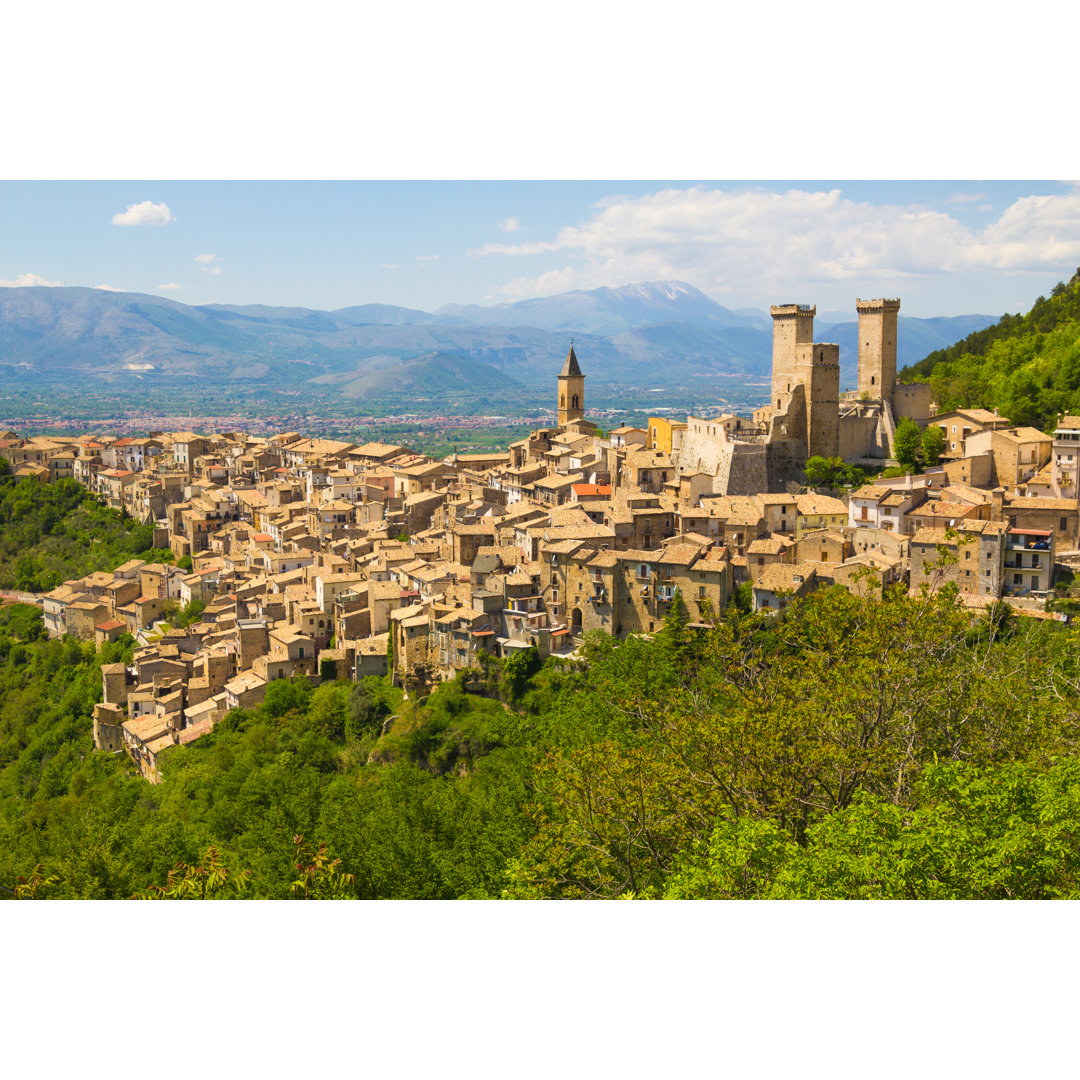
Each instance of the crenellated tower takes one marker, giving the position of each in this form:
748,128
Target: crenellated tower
571,390
877,348
793,325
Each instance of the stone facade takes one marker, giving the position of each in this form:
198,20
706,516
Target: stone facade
877,348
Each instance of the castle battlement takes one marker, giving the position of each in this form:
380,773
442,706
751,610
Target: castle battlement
791,311
874,307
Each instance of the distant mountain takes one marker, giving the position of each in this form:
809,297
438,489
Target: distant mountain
701,350
605,311
914,338
653,334
434,373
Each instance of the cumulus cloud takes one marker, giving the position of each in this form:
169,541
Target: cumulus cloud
110,288
754,242
26,280
208,258
170,286
211,269
144,213
511,224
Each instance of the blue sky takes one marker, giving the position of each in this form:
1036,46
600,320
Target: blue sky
946,248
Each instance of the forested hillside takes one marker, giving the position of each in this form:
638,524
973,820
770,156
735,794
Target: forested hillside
1026,366
855,749
51,533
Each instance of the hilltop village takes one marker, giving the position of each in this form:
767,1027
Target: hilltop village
312,558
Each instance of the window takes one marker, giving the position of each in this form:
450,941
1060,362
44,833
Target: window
701,592
1018,579
1063,524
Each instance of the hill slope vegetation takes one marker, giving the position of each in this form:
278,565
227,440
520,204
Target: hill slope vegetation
1026,366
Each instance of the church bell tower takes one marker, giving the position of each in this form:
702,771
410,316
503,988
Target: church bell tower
571,390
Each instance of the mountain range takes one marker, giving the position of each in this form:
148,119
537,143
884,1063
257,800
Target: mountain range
655,333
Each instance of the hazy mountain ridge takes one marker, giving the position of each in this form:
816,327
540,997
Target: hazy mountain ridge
651,333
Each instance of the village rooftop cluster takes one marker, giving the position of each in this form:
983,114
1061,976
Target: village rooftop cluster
317,559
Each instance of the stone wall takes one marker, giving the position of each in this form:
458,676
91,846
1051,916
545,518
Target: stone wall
912,400
858,435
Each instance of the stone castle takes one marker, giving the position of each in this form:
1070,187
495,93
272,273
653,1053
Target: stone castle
806,414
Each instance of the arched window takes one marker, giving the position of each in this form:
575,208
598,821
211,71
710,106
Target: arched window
562,401
574,401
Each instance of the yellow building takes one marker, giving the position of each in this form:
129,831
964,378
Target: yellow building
815,512
664,435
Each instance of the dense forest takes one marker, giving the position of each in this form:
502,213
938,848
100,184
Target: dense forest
1026,366
51,533
854,749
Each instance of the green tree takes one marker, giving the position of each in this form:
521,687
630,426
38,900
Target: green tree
933,445
320,877
517,669
209,879
907,442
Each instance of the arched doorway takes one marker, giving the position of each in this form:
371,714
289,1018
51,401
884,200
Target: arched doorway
575,621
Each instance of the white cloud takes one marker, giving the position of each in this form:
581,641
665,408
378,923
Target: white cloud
426,258
110,288
511,224
26,280
388,266
966,196
170,286
144,213
760,243
206,260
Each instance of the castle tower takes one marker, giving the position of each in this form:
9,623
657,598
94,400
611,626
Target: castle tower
571,390
817,368
877,348
793,324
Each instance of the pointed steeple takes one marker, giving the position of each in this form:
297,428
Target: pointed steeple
571,390
571,365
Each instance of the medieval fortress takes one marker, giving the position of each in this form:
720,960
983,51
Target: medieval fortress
806,415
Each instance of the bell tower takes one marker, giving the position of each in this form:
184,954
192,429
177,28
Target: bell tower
571,390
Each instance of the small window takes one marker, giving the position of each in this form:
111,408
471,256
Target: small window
1063,524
